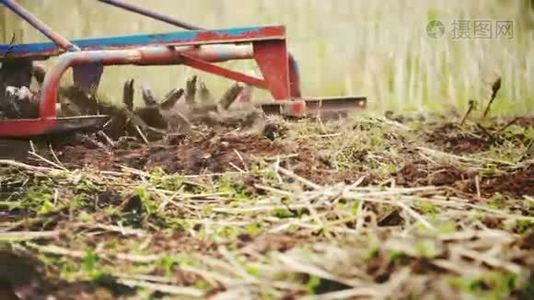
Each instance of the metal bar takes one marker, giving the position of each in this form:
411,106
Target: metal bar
326,107
333,107
224,72
290,108
181,38
293,65
39,25
294,77
140,56
218,53
151,14
25,127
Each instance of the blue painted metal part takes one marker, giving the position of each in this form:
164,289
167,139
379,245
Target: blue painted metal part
233,35
87,77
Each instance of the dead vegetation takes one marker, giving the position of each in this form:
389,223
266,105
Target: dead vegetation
370,207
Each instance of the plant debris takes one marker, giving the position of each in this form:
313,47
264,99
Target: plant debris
368,207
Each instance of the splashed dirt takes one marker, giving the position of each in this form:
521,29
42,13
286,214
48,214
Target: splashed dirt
517,183
213,152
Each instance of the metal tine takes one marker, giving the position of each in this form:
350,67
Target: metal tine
230,96
171,98
206,98
128,94
191,90
148,96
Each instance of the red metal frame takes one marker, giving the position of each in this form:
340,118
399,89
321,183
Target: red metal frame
198,49
270,55
205,66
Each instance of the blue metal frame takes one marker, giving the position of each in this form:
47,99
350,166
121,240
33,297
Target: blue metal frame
232,35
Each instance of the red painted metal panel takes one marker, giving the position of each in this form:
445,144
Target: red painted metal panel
26,127
272,59
294,77
224,72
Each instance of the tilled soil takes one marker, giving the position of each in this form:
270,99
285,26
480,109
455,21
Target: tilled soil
452,138
477,163
218,151
212,152
518,183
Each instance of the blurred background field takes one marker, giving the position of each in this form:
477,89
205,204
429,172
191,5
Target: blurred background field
374,48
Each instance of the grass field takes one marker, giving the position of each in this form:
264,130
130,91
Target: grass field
379,49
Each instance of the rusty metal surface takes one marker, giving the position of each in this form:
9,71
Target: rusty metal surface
290,108
198,49
28,128
334,107
326,107
335,103
181,38
77,124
